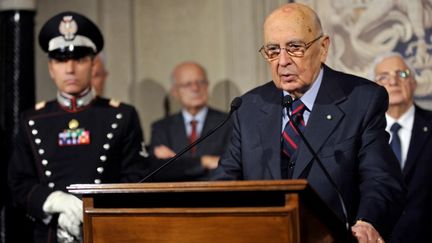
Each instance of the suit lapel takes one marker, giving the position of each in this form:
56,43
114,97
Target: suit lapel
178,132
210,122
420,133
269,118
324,119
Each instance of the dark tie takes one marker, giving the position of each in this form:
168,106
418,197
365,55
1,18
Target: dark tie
395,142
193,136
291,139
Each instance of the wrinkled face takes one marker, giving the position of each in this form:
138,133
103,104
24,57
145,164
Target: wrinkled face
400,84
190,87
295,26
71,76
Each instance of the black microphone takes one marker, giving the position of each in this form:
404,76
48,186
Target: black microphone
235,104
287,103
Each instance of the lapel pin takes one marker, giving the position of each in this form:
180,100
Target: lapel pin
329,117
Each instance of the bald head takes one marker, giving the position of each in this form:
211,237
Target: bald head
296,17
185,67
190,86
293,31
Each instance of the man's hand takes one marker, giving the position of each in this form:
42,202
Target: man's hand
364,232
209,162
163,152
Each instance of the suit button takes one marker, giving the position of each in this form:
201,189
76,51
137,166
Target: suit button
38,141
97,181
119,116
44,162
48,173
34,131
103,158
51,185
110,135
114,125
31,122
106,146
41,151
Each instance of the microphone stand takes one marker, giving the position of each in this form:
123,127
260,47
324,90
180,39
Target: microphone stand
287,102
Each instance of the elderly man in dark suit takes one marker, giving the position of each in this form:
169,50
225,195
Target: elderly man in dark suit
341,115
411,139
173,133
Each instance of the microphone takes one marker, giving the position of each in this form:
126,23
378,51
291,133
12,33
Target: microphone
287,103
235,104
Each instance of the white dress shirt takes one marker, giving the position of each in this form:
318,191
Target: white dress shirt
199,117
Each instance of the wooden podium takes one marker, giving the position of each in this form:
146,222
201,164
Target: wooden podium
222,211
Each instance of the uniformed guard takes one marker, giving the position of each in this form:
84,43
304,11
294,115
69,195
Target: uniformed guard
76,138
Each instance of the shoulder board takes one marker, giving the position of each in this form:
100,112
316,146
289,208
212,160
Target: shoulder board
114,103
40,105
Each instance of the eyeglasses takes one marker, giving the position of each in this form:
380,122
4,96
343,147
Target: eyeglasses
385,78
294,49
189,85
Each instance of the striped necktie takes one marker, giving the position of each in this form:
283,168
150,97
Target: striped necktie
291,139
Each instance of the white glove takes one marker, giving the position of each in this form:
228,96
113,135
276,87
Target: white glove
65,223
67,205
63,236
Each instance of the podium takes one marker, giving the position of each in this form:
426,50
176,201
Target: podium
221,211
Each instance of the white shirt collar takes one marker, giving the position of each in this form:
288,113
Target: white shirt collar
406,120
309,97
199,117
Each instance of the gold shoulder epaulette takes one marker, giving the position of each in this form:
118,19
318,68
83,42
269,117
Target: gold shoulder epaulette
114,103
40,105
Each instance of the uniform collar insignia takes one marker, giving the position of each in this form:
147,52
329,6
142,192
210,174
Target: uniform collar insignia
75,103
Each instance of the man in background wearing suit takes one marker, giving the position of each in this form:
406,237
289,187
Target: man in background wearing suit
411,139
341,115
171,134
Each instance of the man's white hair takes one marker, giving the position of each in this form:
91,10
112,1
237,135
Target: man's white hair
381,57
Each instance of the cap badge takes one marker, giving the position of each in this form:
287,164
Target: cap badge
68,27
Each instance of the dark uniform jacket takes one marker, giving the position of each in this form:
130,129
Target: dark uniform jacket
58,146
171,132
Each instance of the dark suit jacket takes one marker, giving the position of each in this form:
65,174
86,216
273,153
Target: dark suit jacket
347,130
415,222
171,132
